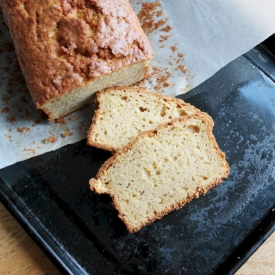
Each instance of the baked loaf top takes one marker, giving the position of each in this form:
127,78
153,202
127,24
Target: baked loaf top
124,112
64,44
162,169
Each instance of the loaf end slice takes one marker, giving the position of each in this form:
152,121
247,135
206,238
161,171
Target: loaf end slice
84,95
125,112
161,170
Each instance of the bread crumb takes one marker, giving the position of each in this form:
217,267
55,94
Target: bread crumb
183,70
162,80
164,38
4,110
173,48
66,134
159,13
166,84
30,150
51,139
166,29
23,130
147,14
11,119
61,120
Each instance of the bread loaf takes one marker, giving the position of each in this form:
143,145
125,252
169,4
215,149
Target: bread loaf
161,170
125,112
68,50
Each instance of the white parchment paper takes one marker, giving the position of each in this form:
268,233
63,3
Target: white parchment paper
192,40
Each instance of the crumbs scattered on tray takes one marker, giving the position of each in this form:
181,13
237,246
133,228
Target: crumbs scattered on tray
173,48
183,70
23,130
161,77
163,38
11,119
30,150
166,29
61,120
66,134
51,139
149,16
5,110
167,71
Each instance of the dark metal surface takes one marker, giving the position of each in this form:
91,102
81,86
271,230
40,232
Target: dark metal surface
81,232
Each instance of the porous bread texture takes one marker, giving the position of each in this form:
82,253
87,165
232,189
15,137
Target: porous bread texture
68,50
79,97
123,113
162,170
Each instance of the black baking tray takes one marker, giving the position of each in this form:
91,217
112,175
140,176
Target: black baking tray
80,231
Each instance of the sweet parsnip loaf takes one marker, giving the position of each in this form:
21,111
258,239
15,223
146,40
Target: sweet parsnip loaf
123,113
68,50
162,170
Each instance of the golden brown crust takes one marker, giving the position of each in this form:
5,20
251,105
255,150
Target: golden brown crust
63,45
206,119
95,120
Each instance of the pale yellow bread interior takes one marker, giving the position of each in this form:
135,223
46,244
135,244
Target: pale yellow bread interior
125,112
162,169
81,96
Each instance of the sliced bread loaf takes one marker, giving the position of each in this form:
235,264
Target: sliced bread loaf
162,169
68,50
123,113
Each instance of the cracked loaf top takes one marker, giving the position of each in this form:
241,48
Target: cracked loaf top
63,44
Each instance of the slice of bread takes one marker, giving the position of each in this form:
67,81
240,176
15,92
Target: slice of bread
123,113
162,170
